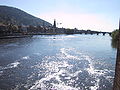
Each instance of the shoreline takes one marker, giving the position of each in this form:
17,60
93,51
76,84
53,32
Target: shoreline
26,35
9,37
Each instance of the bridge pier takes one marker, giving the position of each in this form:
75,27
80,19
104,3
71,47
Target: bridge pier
103,33
97,33
110,34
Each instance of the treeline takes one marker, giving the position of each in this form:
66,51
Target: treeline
11,29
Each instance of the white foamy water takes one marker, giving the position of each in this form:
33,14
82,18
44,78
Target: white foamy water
66,55
95,72
96,86
1,72
70,36
56,72
12,65
9,66
92,71
53,70
63,87
25,57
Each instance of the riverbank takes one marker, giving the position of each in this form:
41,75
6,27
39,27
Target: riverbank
9,37
27,35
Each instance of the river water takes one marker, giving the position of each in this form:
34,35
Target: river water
57,62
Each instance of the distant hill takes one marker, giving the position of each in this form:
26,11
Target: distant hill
19,17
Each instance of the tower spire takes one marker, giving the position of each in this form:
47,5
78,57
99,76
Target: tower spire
54,25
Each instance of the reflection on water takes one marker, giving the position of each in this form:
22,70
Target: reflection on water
114,43
59,62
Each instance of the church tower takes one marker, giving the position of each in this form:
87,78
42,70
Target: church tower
54,25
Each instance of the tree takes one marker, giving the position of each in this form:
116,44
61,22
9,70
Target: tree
115,35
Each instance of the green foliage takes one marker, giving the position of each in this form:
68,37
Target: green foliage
115,36
69,31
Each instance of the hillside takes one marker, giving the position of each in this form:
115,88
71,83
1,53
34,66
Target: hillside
19,17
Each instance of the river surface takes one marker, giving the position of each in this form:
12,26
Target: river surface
57,62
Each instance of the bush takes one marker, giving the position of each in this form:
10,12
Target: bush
115,36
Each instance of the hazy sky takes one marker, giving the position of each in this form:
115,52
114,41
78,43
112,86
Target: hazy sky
102,15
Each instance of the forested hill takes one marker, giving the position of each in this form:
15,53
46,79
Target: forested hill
19,17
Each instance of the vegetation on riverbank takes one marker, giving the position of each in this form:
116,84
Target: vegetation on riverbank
115,36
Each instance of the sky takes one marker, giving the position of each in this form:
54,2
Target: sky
98,15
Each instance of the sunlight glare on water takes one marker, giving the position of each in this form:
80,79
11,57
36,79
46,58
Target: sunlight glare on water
59,62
